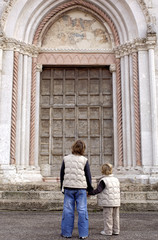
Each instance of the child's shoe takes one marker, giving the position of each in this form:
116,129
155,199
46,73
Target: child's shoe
103,233
83,237
65,236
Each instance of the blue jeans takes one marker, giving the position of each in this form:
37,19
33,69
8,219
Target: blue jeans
70,197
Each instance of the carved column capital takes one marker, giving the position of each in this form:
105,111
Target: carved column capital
39,67
113,68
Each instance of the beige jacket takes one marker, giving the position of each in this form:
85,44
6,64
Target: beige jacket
74,176
110,196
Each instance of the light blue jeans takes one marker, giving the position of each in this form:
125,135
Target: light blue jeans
70,198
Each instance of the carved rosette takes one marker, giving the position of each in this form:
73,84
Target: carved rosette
14,109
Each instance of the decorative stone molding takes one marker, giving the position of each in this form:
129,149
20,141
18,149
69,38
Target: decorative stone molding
14,109
136,45
10,4
1,31
113,68
21,47
151,28
7,9
32,50
136,108
33,106
39,67
76,58
145,10
119,113
67,50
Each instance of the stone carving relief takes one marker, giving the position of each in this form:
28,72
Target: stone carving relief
151,29
77,30
7,9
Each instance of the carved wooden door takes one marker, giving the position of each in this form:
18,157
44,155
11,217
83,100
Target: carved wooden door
76,103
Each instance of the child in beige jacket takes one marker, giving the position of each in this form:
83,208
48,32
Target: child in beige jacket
108,197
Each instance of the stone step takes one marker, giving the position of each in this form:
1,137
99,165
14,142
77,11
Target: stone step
30,205
55,185
32,195
57,195
47,196
139,205
53,200
139,196
50,205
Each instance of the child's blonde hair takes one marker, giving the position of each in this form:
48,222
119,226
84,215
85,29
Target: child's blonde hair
107,169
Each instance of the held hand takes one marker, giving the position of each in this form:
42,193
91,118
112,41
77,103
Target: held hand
88,195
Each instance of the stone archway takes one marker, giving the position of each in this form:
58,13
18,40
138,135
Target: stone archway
132,43
78,25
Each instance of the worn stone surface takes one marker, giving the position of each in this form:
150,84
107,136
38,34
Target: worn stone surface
123,108
21,225
78,30
47,196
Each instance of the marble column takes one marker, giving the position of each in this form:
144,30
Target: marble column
113,71
153,107
126,112
6,76
133,142
145,110
19,111
5,105
26,103
135,116
37,113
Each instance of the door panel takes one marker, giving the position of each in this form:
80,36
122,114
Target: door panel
76,103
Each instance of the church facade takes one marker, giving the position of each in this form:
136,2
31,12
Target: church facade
78,69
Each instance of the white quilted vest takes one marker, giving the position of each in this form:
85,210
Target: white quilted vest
74,176
110,196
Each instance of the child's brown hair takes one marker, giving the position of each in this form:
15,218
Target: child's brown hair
78,148
107,169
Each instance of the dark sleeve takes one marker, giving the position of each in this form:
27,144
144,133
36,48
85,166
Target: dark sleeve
62,171
99,189
88,177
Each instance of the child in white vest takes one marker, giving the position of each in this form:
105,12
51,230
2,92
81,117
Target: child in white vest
108,191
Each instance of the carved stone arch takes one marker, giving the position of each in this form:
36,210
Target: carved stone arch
10,4
59,10
89,58
84,9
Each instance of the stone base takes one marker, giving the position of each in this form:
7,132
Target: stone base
23,174
142,175
47,196
13,174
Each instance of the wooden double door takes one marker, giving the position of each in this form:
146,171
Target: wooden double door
76,103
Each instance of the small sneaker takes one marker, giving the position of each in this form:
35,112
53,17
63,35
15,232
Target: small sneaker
83,237
103,233
65,236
